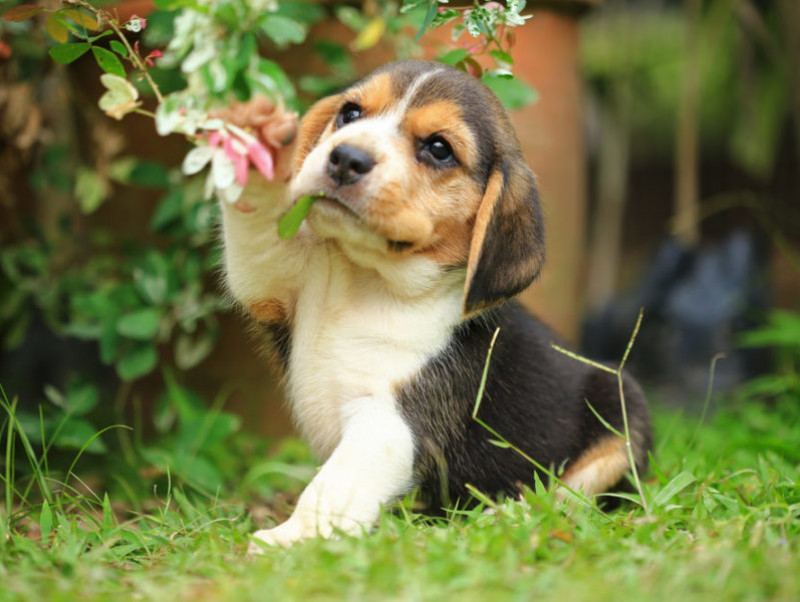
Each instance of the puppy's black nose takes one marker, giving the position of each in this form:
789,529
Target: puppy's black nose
347,164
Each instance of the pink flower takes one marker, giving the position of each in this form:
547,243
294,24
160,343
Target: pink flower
148,60
261,158
233,149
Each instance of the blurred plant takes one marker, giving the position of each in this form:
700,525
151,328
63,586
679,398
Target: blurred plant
743,76
781,335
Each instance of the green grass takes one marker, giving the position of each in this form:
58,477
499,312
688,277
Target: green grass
723,524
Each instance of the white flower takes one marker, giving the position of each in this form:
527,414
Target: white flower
231,151
135,24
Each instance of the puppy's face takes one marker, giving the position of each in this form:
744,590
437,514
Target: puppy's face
420,159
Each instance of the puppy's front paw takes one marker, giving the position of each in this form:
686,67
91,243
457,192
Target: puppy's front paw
283,535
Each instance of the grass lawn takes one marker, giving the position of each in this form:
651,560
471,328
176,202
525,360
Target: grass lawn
722,523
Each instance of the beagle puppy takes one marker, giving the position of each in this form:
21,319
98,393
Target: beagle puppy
381,309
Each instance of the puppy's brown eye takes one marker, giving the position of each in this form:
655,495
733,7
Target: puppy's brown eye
348,113
436,152
440,150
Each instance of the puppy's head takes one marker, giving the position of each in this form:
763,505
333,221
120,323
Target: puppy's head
420,158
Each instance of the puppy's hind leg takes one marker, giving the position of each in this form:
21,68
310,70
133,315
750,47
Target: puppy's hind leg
600,468
372,466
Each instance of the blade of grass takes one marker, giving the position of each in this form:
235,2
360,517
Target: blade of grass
680,482
26,445
634,471
88,443
707,400
9,476
603,421
45,521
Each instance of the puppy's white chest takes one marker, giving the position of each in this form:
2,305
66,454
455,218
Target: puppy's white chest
353,341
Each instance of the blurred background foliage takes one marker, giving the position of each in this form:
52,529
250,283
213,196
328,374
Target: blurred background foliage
111,306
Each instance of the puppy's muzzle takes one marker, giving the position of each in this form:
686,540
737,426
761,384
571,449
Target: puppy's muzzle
346,164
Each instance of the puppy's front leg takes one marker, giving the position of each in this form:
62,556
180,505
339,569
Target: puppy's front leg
372,466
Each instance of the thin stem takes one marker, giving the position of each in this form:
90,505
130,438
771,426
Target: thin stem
637,481
133,56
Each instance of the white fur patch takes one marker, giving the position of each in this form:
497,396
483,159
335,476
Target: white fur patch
371,466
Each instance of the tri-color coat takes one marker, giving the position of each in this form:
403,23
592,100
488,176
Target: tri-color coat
383,306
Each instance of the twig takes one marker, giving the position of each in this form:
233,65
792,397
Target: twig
133,56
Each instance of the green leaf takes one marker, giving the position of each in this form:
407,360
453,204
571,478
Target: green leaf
90,190
334,55
513,93
100,36
168,211
283,30
54,395
81,398
290,223
307,13
453,57
150,174
110,342
46,520
673,488
502,57
248,48
17,332
68,53
108,513
74,434
119,48
433,8
272,80
152,278
190,351
108,61
141,325
23,12
168,4
351,17
136,361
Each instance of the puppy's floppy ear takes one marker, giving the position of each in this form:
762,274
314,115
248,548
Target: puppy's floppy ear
312,125
507,248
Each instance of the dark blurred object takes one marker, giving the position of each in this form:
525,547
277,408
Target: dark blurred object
695,303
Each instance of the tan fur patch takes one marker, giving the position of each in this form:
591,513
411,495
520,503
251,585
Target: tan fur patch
312,127
376,95
599,468
490,199
268,311
445,118
453,225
